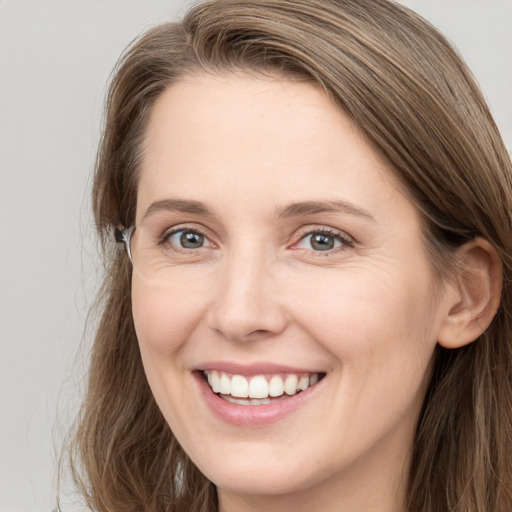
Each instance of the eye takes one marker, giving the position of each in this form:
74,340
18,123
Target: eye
187,239
323,240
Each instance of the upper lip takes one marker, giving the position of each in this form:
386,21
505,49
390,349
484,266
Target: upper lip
256,368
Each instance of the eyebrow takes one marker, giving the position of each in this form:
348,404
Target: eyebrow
178,205
313,207
300,209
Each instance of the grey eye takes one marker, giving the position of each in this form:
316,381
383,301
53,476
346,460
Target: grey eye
320,242
187,239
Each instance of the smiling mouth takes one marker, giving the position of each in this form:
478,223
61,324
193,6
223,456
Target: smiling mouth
259,389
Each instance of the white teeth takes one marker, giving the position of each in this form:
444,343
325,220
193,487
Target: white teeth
239,387
214,381
303,383
276,386
264,401
247,401
290,384
257,390
258,387
225,384
239,401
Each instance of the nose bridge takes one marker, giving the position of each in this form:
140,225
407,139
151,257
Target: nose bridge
246,305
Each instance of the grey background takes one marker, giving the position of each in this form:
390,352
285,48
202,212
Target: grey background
55,59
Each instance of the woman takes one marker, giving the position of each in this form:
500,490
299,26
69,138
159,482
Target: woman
313,308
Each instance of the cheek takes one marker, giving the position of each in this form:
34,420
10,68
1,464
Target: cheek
163,318
383,330
382,340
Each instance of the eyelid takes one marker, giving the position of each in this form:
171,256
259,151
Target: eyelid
164,237
345,239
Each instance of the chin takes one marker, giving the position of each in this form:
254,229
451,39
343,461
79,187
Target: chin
264,478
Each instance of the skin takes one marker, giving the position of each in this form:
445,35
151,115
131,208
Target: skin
367,313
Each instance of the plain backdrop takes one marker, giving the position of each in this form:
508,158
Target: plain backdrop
55,60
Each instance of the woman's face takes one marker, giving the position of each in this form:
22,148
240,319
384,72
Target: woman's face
275,254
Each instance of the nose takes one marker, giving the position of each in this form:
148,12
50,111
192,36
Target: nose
246,306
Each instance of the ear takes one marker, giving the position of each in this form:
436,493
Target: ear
473,295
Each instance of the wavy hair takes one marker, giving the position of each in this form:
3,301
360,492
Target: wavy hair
408,90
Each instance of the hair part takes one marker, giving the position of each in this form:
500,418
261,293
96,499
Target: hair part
409,92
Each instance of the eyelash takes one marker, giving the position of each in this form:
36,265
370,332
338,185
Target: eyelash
345,240
164,238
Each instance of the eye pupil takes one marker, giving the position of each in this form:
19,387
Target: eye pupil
321,242
190,240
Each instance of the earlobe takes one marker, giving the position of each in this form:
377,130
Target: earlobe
473,297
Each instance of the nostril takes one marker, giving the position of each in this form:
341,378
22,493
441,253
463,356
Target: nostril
238,332
258,333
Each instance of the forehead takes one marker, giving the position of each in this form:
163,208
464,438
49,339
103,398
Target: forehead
219,136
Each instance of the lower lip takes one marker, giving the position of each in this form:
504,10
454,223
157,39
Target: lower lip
253,415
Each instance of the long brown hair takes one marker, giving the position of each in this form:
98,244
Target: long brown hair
408,90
